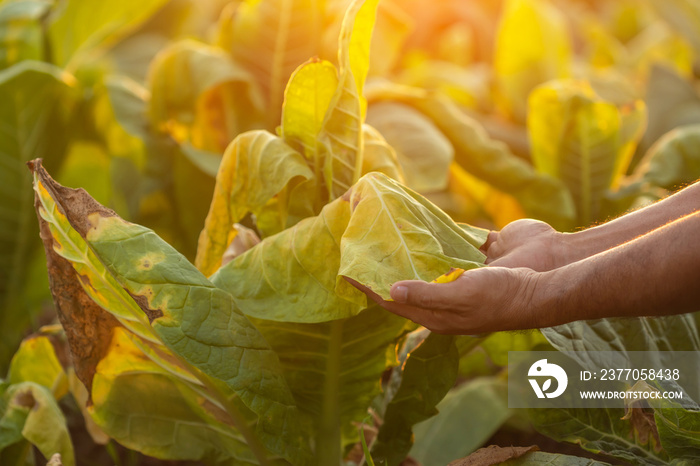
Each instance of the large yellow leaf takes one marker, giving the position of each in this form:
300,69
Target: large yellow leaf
532,46
258,174
341,134
583,140
271,38
306,99
376,234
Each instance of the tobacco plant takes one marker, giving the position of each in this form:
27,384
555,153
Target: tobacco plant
261,352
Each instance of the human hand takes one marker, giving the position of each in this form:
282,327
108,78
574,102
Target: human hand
527,243
481,300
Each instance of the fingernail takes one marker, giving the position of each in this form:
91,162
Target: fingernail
400,294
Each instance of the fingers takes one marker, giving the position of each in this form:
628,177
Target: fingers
490,239
436,296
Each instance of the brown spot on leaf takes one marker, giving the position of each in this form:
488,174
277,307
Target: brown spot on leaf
493,455
25,399
88,327
76,204
347,196
643,426
142,301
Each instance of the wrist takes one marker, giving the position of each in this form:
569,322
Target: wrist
573,247
552,298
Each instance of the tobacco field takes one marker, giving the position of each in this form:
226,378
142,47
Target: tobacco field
241,159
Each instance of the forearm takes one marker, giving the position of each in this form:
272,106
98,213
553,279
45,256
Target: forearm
616,232
654,274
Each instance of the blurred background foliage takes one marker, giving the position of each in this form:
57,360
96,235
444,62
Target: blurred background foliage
570,111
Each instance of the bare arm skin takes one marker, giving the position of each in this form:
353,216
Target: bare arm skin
536,245
653,274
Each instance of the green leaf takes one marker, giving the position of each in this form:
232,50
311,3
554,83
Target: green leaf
79,29
257,168
36,99
413,135
21,34
130,104
532,46
429,372
146,408
200,96
271,38
605,430
377,233
600,430
678,428
446,437
334,370
583,140
31,413
672,101
173,314
341,134
673,161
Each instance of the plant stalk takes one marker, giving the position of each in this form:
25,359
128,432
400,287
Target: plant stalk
328,437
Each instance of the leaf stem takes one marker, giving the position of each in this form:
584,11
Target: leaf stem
328,438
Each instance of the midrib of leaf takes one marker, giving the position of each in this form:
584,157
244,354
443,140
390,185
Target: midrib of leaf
402,242
329,433
236,418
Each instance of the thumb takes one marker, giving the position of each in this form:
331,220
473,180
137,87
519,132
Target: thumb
418,293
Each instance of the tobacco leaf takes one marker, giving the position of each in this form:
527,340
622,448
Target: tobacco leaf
379,232
201,97
583,140
378,155
36,103
257,169
37,360
341,133
414,136
77,29
108,274
271,38
446,437
334,369
673,161
429,372
30,412
519,64
606,430
307,97
21,34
